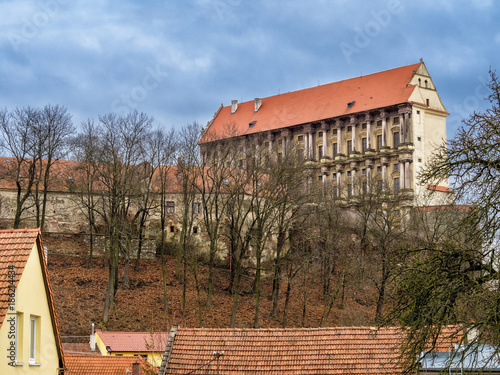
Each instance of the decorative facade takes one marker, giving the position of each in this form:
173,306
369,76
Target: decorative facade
380,128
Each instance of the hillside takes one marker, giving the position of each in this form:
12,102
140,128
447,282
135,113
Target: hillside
79,296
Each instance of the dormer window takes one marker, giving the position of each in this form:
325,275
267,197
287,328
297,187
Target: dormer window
350,104
250,126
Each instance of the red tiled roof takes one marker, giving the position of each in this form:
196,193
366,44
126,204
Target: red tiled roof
15,248
136,342
370,92
82,364
78,348
341,350
443,189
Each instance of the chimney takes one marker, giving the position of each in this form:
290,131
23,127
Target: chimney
258,103
92,339
234,106
136,368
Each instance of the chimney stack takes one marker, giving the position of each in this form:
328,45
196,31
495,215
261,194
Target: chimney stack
258,103
92,339
234,106
136,368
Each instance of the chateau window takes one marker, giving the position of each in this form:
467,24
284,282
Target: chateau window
334,131
196,208
396,139
34,339
395,121
195,230
396,185
349,147
379,123
300,154
364,145
266,145
349,129
320,178
349,190
379,142
396,167
379,185
379,169
170,207
363,126
363,171
334,146
334,191
365,187
427,102
320,151
172,229
300,138
320,134
334,176
349,173
280,157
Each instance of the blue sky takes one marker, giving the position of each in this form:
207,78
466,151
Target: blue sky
179,60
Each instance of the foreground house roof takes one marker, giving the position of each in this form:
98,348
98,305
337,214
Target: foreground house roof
340,350
342,98
134,341
106,365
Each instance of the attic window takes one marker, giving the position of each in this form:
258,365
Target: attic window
350,104
251,124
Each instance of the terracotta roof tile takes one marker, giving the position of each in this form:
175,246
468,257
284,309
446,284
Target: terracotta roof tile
370,92
342,350
134,341
105,365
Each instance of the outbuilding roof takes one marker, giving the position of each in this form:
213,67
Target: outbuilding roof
134,341
82,364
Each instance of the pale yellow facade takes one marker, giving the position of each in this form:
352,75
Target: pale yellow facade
31,304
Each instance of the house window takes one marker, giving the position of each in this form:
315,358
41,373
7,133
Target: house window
396,167
349,129
334,176
170,207
396,139
320,151
320,134
196,208
300,138
364,145
396,185
349,147
363,126
334,131
395,120
334,146
379,169
363,171
349,173
379,123
19,335
34,339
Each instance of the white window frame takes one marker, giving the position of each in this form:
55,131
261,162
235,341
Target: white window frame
33,340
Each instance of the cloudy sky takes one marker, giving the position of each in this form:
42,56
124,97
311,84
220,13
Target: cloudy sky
179,60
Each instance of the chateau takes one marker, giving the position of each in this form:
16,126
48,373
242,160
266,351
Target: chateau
381,128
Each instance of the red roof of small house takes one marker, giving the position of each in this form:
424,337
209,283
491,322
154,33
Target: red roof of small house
370,92
135,342
339,350
15,248
82,364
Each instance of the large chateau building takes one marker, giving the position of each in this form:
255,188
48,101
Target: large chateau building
381,128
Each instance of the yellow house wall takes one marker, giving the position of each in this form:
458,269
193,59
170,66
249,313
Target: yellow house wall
31,299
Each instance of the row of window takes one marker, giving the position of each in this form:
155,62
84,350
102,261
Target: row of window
364,188
170,207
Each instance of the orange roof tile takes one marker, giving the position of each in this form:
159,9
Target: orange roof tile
82,364
134,341
443,189
370,92
340,350
15,248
